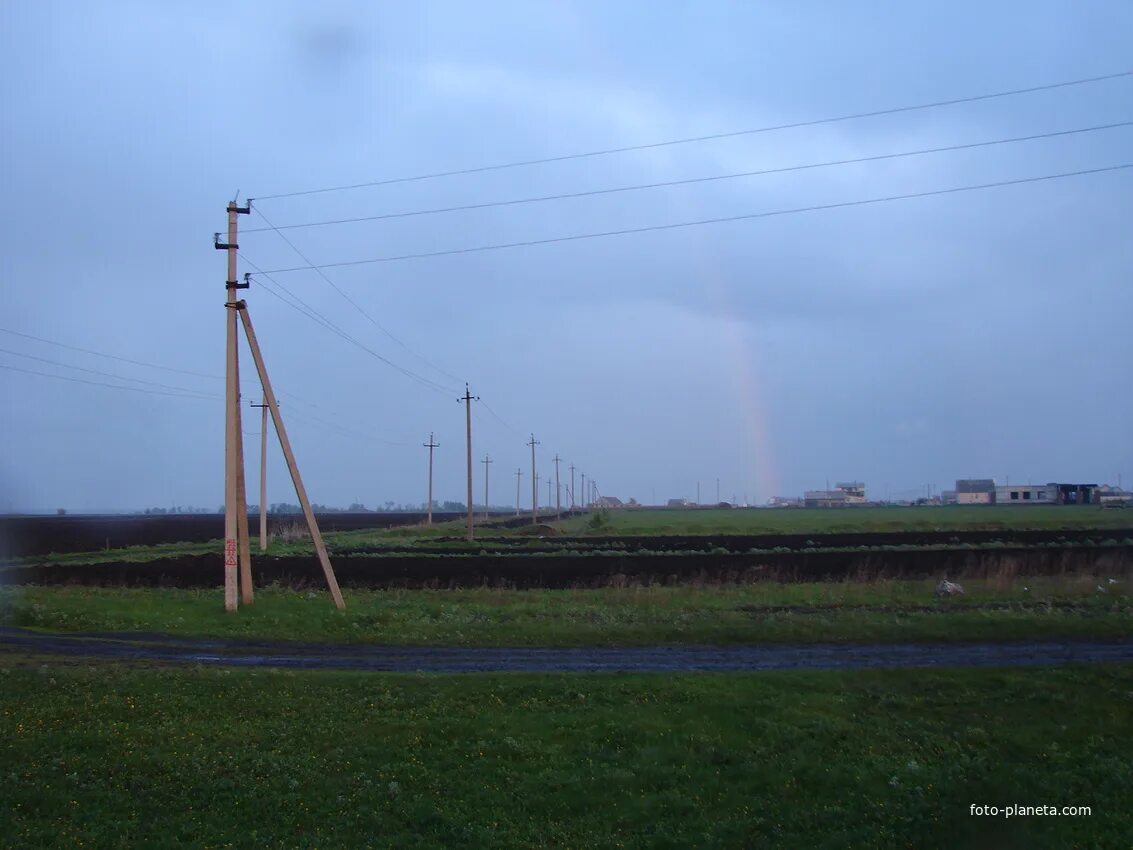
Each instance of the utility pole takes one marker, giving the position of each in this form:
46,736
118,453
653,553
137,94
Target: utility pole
236,544
534,483
518,476
236,551
468,399
263,473
558,500
572,486
486,461
430,446
549,491
583,503
538,478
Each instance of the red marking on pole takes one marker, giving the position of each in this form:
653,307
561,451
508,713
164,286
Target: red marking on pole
230,552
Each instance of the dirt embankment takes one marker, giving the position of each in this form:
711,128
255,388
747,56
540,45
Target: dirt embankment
569,570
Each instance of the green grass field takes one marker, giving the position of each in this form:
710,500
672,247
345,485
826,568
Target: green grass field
121,756
850,520
886,611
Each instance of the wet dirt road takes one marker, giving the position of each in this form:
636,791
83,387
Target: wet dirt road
168,649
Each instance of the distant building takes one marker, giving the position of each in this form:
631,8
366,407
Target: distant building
847,493
824,499
976,491
678,503
1075,494
608,502
1026,494
1106,495
949,497
784,502
1053,493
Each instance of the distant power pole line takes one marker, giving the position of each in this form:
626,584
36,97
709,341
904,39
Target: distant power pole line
430,446
534,483
486,461
572,486
548,491
518,476
468,398
263,473
558,501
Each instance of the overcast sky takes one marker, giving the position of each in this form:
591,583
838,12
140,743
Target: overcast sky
913,342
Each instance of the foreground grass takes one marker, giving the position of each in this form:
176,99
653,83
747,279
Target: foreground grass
119,756
884,611
850,520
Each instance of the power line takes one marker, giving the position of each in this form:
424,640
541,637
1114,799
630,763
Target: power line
705,138
320,319
109,356
497,417
350,300
201,396
676,225
139,362
104,374
686,181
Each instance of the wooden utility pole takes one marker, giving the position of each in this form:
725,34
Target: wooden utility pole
234,548
538,478
558,499
263,474
289,456
572,486
486,461
468,398
518,476
534,483
430,446
582,504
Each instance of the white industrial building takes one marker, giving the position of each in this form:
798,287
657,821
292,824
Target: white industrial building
975,491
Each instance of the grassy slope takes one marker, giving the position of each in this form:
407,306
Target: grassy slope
116,756
611,616
867,519
665,522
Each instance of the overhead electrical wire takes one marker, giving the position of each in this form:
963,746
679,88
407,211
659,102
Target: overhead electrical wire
143,363
699,222
110,356
305,309
183,390
710,137
199,397
498,418
350,300
684,182
156,366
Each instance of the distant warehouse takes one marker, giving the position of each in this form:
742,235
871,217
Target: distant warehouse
845,493
975,491
1045,494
